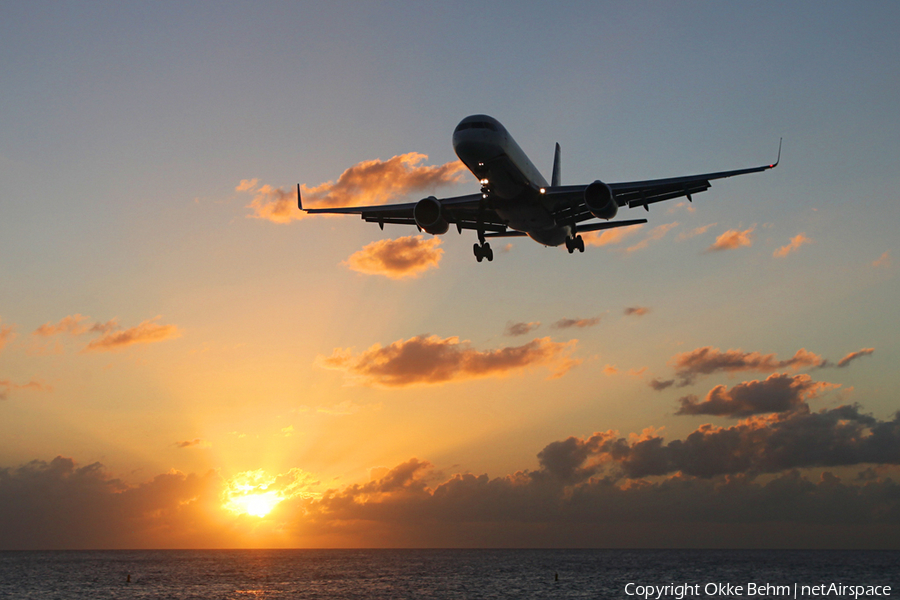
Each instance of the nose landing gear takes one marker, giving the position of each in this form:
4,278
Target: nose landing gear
576,243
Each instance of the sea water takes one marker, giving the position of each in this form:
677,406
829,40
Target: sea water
339,574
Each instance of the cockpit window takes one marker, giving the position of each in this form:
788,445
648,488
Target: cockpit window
477,125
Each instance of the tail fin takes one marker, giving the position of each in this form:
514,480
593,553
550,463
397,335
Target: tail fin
555,176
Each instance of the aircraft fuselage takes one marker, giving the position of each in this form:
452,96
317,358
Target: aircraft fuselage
511,181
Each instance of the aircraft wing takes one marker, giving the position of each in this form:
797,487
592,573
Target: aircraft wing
568,201
463,210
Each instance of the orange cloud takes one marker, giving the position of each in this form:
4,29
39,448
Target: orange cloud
686,235
609,236
732,239
6,334
580,323
637,311
429,360
145,333
406,257
7,386
883,261
796,241
854,355
656,234
71,324
369,182
74,325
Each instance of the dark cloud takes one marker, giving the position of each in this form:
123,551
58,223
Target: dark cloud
194,443
799,439
580,323
587,492
659,384
368,182
405,257
778,393
708,360
516,329
426,360
637,311
854,355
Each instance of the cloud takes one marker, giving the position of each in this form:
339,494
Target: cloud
72,325
194,443
732,239
708,360
516,329
637,311
656,234
778,393
854,355
369,182
659,384
796,241
429,360
686,235
610,236
145,333
6,334
580,323
600,490
883,261
405,257
6,386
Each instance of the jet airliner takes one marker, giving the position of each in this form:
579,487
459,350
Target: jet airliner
516,200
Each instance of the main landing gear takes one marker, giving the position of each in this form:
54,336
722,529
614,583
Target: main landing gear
482,251
575,243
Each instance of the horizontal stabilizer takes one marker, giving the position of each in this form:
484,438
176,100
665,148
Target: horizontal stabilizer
610,225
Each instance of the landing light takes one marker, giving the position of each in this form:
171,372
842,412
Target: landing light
543,190
484,182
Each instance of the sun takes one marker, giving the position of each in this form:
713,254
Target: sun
257,504
252,493
257,493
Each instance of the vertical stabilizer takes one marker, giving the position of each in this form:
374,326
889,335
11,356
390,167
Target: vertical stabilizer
555,176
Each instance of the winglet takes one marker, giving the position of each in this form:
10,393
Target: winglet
777,160
299,200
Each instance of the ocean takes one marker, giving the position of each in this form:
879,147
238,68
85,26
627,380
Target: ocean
456,574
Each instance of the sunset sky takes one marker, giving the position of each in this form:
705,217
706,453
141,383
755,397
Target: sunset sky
186,360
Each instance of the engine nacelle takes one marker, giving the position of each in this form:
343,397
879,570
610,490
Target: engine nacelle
599,199
429,217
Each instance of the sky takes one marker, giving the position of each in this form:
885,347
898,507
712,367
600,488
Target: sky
187,361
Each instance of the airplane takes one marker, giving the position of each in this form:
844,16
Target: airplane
516,200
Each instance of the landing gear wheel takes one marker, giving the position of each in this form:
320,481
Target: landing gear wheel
579,243
570,245
483,251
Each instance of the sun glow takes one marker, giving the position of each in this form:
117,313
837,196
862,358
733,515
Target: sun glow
252,493
256,493
257,505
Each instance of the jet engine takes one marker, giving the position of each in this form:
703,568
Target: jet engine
599,199
427,214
